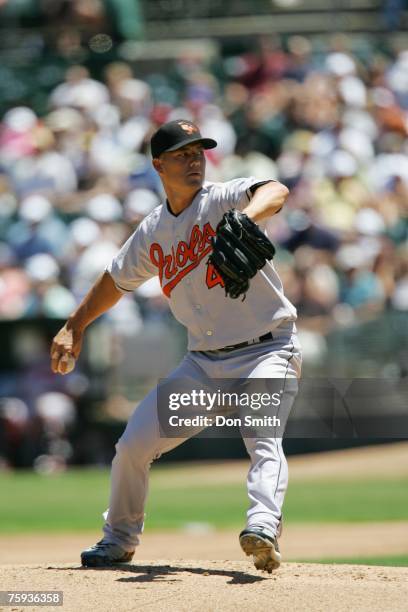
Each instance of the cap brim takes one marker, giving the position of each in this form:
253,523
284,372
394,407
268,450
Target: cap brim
208,143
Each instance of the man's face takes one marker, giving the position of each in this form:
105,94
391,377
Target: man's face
182,168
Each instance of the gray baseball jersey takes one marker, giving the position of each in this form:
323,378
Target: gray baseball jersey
176,248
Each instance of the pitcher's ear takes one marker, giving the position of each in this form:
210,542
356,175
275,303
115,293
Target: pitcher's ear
157,164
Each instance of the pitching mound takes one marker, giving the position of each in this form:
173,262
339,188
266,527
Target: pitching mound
208,586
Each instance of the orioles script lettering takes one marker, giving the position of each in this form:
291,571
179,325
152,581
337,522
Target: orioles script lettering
174,266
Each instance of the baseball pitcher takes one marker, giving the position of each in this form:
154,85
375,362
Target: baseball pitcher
215,268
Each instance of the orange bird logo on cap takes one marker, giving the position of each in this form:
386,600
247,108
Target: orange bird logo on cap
188,128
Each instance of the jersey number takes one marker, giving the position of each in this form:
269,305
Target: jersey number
213,278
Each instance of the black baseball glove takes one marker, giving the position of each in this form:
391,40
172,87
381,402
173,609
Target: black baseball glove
240,249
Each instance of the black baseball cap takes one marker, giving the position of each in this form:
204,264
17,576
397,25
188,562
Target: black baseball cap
176,134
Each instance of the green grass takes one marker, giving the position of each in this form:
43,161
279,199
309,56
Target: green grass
70,501
354,501
393,561
75,500
319,502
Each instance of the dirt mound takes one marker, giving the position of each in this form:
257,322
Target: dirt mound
210,586
298,542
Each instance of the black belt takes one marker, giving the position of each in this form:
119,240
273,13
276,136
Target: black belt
233,347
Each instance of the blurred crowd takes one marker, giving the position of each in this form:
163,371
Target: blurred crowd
329,122
332,126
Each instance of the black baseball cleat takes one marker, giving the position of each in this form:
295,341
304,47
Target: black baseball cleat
264,548
104,554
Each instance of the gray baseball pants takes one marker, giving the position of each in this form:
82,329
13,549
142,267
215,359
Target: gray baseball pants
141,442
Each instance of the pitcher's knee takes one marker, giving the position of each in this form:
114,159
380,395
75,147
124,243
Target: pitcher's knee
136,449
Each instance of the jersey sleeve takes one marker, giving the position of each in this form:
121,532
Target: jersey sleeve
238,192
132,266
